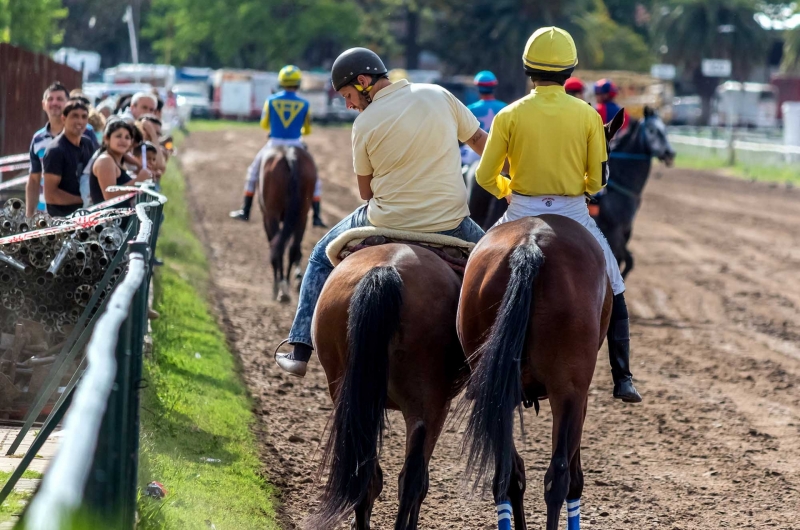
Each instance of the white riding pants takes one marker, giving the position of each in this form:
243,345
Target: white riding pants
573,207
255,167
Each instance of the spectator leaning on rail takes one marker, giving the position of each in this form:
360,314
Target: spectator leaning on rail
55,98
107,170
287,117
141,103
406,160
151,126
64,161
150,156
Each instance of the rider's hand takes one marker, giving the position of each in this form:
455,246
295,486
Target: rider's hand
508,199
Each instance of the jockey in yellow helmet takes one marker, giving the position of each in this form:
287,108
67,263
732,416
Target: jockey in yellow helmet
556,149
287,117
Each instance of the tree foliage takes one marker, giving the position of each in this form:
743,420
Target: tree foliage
97,25
492,34
791,50
251,33
31,24
688,31
693,30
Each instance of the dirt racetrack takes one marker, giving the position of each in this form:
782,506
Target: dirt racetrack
714,305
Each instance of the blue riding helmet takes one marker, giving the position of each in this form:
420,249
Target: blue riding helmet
485,81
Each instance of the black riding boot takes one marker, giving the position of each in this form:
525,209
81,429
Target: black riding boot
619,352
317,219
244,213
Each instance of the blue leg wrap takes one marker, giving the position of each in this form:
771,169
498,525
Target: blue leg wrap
504,516
574,514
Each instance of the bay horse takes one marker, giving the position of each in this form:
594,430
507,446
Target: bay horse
384,331
535,308
629,164
285,192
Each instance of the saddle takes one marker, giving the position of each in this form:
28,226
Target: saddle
453,251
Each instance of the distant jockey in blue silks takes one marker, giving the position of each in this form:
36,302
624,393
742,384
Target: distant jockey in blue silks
485,109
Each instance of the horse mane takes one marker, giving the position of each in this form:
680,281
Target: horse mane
628,141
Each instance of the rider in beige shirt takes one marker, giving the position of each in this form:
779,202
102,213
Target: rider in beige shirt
408,166
405,141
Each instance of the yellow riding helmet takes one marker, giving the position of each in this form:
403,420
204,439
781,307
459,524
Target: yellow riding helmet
551,50
289,76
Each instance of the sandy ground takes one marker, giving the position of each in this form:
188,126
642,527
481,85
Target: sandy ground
714,305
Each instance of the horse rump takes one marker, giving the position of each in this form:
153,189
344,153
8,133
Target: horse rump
496,384
356,434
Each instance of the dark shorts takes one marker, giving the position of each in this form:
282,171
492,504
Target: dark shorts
57,210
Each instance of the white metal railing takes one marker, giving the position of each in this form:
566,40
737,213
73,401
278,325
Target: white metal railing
13,163
760,152
62,488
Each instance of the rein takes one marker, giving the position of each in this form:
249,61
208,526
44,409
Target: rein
628,156
623,190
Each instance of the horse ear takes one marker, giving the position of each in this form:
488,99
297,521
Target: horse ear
616,124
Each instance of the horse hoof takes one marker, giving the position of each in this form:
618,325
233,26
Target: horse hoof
283,298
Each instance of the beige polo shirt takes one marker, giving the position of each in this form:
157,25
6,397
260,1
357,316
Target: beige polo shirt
407,139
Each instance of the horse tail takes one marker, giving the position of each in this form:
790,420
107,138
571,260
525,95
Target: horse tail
293,208
360,412
496,383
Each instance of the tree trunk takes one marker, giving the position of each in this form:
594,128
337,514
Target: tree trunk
511,75
706,88
412,37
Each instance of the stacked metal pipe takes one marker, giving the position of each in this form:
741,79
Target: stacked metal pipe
51,279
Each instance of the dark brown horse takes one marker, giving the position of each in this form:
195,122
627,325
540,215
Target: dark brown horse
534,311
285,191
385,333
535,308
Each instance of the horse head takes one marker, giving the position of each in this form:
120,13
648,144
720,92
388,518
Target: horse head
656,137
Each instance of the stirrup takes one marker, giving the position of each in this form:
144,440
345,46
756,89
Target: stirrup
275,354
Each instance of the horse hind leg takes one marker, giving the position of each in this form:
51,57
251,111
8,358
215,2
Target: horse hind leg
413,481
575,493
363,511
510,503
567,428
295,255
281,285
516,491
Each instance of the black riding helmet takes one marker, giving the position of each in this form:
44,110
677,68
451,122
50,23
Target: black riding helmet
353,63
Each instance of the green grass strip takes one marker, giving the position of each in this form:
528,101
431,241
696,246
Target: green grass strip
15,503
219,125
195,406
766,173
